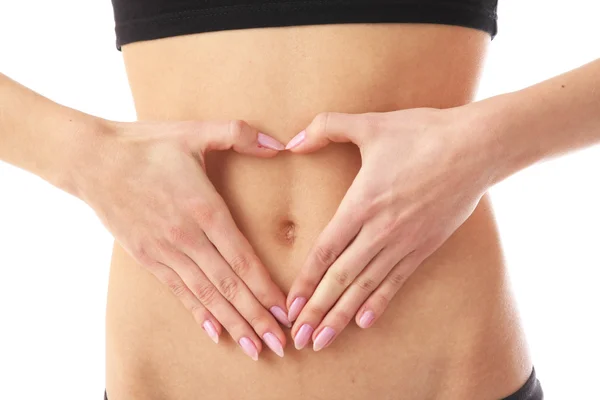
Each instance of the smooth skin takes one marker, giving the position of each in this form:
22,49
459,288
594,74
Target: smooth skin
279,80
147,183
424,171
465,151
436,170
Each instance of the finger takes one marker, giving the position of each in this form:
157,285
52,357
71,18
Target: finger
235,291
200,286
237,251
378,301
337,279
347,306
203,317
343,227
330,127
237,135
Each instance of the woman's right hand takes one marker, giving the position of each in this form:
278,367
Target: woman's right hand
147,183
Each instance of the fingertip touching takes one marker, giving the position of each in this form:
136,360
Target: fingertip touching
269,142
296,140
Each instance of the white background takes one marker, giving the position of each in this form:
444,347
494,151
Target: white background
54,254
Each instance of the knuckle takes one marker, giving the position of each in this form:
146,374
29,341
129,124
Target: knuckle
325,255
259,323
367,207
156,269
177,235
141,255
386,230
304,285
205,215
397,279
241,265
229,287
205,293
362,202
379,301
176,287
319,123
317,310
342,317
376,196
362,205
198,311
236,129
210,217
341,278
367,284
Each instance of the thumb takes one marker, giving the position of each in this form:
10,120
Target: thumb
239,136
326,128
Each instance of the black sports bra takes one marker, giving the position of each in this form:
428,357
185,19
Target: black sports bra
137,20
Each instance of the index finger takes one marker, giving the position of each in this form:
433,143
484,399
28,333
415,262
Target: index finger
337,235
239,254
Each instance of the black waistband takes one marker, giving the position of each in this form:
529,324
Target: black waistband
138,20
531,390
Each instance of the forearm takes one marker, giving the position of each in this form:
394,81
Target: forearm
540,122
41,136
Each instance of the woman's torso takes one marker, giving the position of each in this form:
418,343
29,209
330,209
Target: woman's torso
452,332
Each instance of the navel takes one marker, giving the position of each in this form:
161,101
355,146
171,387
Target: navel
286,231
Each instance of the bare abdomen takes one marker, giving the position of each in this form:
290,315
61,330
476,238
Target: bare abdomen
452,331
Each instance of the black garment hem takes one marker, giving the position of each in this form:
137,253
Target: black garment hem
290,13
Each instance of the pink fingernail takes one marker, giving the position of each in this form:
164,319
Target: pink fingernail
273,343
324,338
296,140
281,316
269,142
211,331
303,336
366,319
296,307
249,348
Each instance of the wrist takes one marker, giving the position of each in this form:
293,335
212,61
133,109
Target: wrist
494,137
89,137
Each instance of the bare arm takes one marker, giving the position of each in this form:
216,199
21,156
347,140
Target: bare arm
540,122
423,173
146,182
41,136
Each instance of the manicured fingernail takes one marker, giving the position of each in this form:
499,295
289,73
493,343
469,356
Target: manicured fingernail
273,343
249,348
211,330
323,338
281,316
269,142
303,336
296,307
366,319
296,140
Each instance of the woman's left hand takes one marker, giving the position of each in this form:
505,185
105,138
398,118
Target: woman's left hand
421,178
